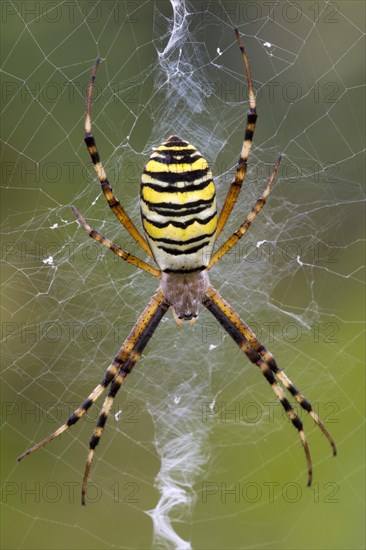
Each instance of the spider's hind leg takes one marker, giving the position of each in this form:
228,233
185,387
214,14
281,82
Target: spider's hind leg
284,379
79,412
259,356
127,357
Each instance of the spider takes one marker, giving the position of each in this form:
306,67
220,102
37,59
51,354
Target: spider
181,224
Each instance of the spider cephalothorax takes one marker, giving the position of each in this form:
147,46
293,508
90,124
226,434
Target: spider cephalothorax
178,208
185,292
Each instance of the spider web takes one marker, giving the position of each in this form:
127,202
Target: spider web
196,453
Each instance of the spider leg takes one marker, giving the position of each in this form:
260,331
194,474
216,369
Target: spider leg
126,359
258,355
80,411
122,364
130,258
282,376
270,360
235,237
112,200
241,168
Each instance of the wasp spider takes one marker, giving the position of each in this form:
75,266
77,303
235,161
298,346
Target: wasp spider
179,217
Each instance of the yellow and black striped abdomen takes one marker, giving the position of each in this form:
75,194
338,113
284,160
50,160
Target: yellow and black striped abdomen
178,207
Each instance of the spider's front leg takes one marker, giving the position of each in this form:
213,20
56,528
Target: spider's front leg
262,358
112,200
242,165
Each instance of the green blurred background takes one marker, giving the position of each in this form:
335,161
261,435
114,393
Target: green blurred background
67,305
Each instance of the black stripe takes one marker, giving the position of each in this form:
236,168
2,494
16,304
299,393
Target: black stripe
184,211
73,418
102,420
269,376
177,252
87,404
150,328
286,404
251,119
182,243
182,225
115,386
206,203
232,330
90,142
175,141
186,189
297,423
248,135
293,390
94,440
271,361
304,403
185,271
176,157
173,177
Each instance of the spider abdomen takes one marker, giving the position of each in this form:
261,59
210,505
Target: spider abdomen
178,207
